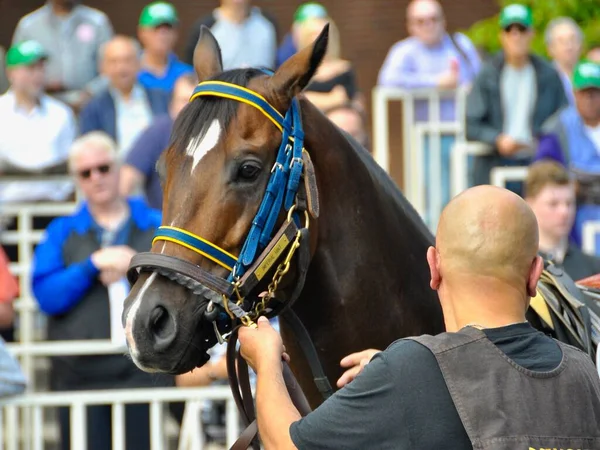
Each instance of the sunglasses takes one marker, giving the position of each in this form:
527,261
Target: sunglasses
515,26
102,169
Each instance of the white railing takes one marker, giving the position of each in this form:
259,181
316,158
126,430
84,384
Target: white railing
428,202
589,232
500,176
191,436
21,418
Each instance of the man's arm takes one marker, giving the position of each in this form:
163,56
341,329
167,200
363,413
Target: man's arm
275,410
56,286
478,127
354,417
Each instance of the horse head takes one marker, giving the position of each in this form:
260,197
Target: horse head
219,216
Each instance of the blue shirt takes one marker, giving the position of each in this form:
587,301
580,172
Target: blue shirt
174,70
144,155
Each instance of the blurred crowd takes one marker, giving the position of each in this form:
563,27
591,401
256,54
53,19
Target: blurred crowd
78,99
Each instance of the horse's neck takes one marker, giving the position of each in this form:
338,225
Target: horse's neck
371,243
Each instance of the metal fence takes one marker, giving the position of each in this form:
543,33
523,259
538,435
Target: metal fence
428,199
23,422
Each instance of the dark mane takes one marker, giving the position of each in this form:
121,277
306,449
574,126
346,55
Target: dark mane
196,117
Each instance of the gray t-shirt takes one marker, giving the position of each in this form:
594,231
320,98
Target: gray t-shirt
518,91
400,401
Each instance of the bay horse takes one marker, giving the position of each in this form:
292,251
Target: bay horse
367,281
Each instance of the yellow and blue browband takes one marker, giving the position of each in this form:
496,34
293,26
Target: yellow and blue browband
241,94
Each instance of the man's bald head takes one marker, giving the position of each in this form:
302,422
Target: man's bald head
488,231
417,8
425,20
121,62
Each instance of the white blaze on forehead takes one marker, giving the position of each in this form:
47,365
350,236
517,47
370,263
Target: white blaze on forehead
132,313
198,147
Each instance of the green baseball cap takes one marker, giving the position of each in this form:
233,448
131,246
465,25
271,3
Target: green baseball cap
586,75
158,13
25,53
516,14
310,10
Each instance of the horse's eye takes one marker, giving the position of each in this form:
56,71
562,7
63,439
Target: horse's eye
248,172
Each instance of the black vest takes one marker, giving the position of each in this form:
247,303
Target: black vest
504,406
90,319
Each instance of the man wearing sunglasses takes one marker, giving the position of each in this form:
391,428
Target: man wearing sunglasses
513,95
79,283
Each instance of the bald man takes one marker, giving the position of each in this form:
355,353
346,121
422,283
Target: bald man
491,382
125,108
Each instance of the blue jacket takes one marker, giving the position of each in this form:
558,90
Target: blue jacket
61,279
100,113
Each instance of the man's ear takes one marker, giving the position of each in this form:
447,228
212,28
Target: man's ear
296,72
207,55
537,266
433,262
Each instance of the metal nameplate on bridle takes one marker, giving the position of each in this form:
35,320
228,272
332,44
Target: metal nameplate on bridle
310,184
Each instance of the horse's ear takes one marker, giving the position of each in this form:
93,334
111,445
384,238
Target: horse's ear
296,72
207,55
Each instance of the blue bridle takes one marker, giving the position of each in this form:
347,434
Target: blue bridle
280,193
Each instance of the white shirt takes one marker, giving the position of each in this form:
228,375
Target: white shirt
133,117
594,135
34,141
518,92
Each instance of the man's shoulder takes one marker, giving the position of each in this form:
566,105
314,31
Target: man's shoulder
60,228
32,19
207,20
260,18
93,15
56,107
145,217
404,46
402,351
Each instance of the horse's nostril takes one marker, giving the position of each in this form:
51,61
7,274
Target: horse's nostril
161,324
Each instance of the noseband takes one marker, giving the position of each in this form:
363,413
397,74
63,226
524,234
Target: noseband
285,194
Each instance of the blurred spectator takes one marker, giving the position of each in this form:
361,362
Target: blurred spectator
9,291
139,168
564,41
3,79
72,34
78,280
550,193
572,137
512,97
247,37
37,130
594,53
431,58
334,82
158,31
351,120
125,108
288,47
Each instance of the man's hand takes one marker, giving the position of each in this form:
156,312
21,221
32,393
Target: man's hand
108,277
507,146
356,362
261,347
114,259
450,78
